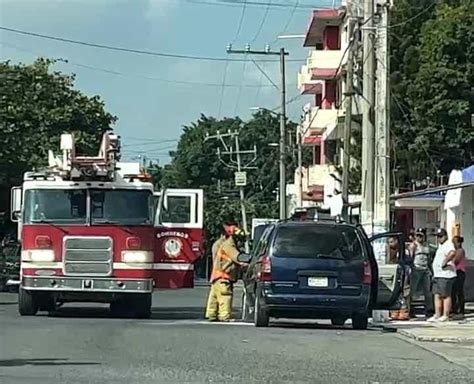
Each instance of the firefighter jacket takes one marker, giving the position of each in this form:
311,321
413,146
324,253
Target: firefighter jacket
225,264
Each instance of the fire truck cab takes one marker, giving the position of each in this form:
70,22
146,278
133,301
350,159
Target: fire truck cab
90,232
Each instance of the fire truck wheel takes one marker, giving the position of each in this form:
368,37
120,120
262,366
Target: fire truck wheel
27,303
143,306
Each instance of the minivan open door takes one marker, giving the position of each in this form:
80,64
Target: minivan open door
179,236
389,252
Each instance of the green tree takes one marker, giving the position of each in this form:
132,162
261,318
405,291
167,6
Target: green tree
431,79
197,165
36,106
446,75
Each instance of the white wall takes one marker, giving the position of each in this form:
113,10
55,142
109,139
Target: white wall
467,221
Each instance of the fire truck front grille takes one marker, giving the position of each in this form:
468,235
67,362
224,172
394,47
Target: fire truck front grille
88,256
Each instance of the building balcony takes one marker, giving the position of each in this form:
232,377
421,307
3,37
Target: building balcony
319,22
306,85
325,64
318,121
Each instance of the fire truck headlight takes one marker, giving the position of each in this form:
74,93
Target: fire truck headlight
137,257
37,255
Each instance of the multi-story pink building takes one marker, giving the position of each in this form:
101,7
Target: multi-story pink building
323,77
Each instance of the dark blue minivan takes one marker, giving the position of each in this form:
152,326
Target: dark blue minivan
317,269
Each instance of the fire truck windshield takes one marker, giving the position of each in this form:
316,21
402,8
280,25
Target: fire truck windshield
104,206
59,206
121,206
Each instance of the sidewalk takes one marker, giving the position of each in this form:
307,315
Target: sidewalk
455,331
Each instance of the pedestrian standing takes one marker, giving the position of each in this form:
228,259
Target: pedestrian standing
212,307
421,275
444,275
458,288
224,274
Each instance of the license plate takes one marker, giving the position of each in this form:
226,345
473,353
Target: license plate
317,281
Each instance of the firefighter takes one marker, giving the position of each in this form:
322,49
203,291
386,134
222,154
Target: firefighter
224,273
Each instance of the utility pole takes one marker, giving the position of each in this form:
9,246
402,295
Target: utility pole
368,126
281,53
346,164
382,119
299,138
240,175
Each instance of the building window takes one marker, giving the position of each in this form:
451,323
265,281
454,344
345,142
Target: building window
318,100
330,96
331,38
316,155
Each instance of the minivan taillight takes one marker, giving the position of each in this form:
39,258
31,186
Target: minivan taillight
265,273
367,273
43,242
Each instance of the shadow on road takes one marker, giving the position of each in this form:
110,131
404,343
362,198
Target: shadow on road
42,362
163,313
315,325
9,303
178,313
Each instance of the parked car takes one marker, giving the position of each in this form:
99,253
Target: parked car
10,253
318,269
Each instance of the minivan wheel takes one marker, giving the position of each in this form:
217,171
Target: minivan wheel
338,321
245,308
261,316
360,321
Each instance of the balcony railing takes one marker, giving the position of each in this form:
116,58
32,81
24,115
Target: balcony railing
318,120
325,64
306,85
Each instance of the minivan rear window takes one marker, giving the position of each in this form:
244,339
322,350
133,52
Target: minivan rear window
317,241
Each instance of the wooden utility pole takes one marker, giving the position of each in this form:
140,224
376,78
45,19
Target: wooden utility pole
235,162
281,53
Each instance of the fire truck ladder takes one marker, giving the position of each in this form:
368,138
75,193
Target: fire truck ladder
98,168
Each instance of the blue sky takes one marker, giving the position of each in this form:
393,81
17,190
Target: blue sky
152,112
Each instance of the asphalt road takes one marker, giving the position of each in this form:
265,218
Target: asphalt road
82,344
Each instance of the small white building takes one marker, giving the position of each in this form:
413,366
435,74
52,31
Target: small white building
459,205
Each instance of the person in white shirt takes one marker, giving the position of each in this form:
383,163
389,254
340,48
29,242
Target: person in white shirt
444,275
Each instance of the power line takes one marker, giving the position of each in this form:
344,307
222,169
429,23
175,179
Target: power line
262,23
128,75
421,13
407,119
121,49
241,22
288,22
259,4
265,74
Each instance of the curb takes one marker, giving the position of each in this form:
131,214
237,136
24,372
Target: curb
435,339
439,339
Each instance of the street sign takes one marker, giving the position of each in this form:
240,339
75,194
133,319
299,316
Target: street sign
240,179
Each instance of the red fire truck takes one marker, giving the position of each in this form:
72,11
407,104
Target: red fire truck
92,229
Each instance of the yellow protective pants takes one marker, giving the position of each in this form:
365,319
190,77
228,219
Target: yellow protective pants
219,302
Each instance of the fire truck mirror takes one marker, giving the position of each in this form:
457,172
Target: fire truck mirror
15,204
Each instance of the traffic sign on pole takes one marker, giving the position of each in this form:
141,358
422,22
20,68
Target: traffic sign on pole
240,179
